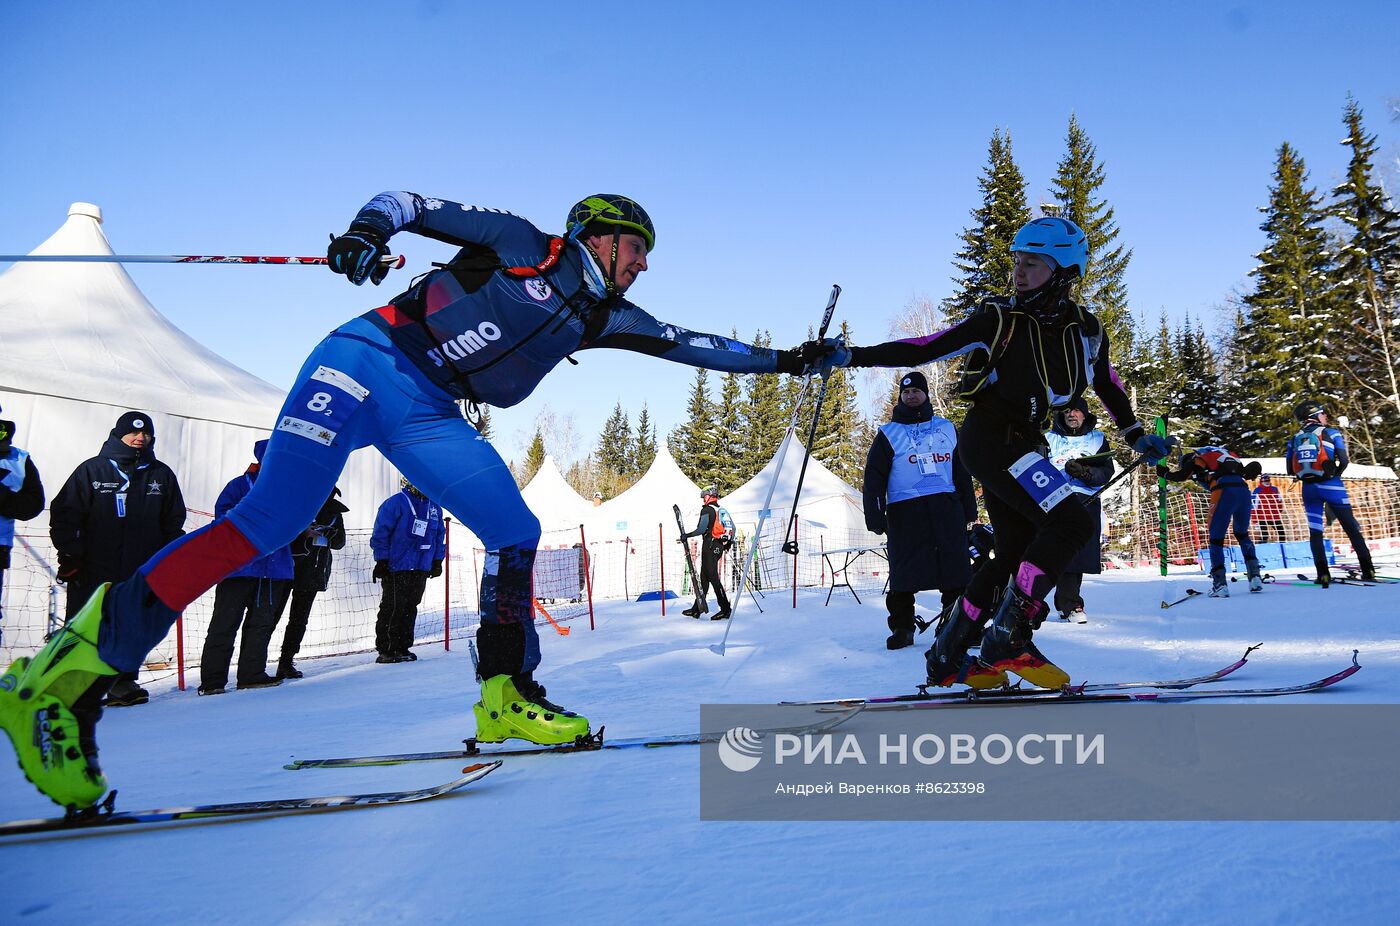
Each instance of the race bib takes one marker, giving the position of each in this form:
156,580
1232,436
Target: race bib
1045,484
322,406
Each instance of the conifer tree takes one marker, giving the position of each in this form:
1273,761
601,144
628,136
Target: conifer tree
1077,183
1368,298
484,426
730,425
984,261
534,459
644,451
1283,346
693,443
1194,400
764,416
839,428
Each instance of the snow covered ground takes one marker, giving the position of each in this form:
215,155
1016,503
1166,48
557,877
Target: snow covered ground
616,836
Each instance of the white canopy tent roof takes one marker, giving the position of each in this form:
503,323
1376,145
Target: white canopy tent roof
638,511
827,500
553,500
82,344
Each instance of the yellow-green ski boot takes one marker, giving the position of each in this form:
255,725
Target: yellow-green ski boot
50,705
504,713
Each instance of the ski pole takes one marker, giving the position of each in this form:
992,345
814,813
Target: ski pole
392,261
1141,459
763,513
790,546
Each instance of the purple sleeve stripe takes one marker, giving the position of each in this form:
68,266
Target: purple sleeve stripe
924,339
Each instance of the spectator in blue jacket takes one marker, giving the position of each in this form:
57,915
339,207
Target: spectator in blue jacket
253,597
409,543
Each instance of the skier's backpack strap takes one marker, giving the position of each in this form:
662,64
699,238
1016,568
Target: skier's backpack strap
979,370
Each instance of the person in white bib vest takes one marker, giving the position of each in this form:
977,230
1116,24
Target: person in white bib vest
1080,451
21,495
919,494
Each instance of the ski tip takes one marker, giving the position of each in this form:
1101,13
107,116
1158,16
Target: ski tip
484,768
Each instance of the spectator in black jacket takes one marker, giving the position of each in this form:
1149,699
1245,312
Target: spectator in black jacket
918,492
21,495
1080,451
115,512
311,571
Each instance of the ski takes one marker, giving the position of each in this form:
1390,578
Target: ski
104,815
1016,691
1354,572
1336,580
594,743
1190,593
689,560
1074,695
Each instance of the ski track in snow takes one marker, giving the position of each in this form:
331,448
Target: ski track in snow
616,836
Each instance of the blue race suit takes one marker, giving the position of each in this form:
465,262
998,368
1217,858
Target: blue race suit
1327,491
390,378
1222,474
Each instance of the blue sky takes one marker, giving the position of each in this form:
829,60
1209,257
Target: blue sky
780,147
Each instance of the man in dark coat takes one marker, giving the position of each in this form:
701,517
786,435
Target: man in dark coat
311,565
917,492
114,512
21,494
1080,451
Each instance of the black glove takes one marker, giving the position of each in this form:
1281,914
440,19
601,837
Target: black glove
1077,470
1252,469
876,525
69,566
381,570
437,569
682,538
823,356
356,254
1162,470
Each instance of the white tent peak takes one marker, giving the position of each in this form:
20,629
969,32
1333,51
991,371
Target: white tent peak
85,331
86,209
553,500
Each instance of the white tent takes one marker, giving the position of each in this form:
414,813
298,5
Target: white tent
637,512
82,345
827,502
554,501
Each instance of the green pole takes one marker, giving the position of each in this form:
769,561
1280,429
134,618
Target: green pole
1162,505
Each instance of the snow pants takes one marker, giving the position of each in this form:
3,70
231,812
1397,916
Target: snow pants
1318,498
254,604
1230,507
355,390
398,611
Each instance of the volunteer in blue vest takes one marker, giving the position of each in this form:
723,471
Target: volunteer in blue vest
715,536
1080,451
1317,455
1221,473
409,543
252,597
21,495
918,493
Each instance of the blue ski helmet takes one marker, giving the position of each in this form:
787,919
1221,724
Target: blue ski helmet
1062,241
612,209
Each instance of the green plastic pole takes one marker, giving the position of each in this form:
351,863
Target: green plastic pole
1162,505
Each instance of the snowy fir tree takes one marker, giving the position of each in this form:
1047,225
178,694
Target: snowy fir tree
765,416
729,421
483,427
1078,182
695,443
1284,348
644,449
1367,289
984,261
534,459
840,426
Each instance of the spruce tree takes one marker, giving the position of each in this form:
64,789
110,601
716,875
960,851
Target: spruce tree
839,428
764,416
1077,184
534,459
984,262
644,450
1368,298
693,443
730,426
1286,344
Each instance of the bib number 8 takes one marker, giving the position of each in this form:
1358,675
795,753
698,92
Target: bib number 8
1045,484
319,402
